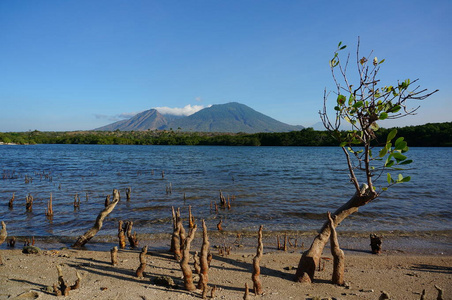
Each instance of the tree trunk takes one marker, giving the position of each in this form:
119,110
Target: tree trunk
204,264
257,285
83,239
311,258
186,270
338,255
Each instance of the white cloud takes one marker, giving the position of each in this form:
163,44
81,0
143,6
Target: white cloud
180,111
114,118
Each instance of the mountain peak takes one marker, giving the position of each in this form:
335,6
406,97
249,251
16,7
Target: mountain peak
230,117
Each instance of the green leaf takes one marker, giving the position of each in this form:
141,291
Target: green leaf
391,135
341,99
406,179
383,116
400,177
398,156
389,178
343,144
406,162
358,104
395,109
383,152
400,144
381,61
389,163
384,189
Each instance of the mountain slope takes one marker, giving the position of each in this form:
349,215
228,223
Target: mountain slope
231,117
149,119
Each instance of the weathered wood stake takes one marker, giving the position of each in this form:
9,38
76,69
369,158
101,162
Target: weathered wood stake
140,271
186,270
114,256
257,285
204,264
121,235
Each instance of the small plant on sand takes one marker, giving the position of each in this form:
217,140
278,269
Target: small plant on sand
362,104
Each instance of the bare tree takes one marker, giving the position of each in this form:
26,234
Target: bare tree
361,105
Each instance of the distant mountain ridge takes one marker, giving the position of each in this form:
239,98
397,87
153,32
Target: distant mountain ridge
230,117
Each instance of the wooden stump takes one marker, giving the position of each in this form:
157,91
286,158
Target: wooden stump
257,285
186,270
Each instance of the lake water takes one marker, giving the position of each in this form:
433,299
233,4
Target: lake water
287,189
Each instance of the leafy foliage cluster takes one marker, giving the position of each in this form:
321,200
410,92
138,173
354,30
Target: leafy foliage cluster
428,135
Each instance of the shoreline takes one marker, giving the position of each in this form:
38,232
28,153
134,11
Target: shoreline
417,243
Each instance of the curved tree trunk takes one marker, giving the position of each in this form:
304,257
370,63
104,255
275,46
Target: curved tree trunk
310,258
83,239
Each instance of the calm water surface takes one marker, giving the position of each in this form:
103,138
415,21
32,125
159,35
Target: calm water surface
284,188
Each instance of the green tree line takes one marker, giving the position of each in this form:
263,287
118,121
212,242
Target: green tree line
428,135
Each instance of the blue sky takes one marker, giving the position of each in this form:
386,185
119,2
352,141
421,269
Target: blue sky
78,65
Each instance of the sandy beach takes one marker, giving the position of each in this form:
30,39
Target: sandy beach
401,270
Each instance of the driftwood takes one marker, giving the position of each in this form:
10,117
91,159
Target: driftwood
11,201
49,210
212,292
375,244
246,296
257,285
62,288
176,238
186,270
338,255
140,271
196,263
121,235
128,192
3,235
219,227
76,202
191,219
114,256
172,247
204,263
107,200
133,240
29,202
85,238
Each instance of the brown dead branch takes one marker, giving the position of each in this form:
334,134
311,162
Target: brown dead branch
176,238
85,238
375,243
246,296
257,285
338,255
191,219
29,203
133,239
186,270
49,210
3,236
128,192
140,271
204,263
62,288
121,235
11,201
107,200
114,256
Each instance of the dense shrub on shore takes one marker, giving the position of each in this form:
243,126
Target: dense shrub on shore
428,135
